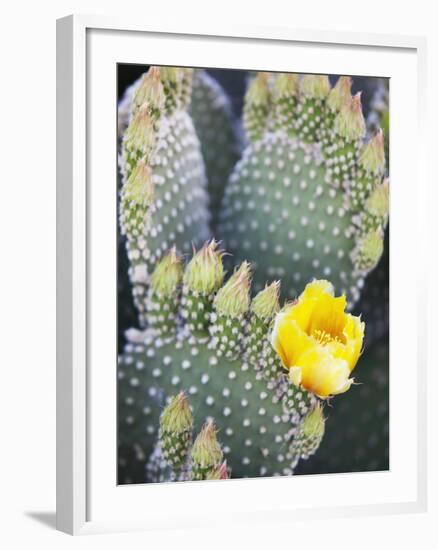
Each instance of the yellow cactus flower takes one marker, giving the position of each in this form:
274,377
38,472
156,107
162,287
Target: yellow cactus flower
317,341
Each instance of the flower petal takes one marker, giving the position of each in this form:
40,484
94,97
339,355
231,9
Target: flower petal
295,375
322,373
345,387
302,310
353,339
354,333
317,288
289,341
329,316
276,342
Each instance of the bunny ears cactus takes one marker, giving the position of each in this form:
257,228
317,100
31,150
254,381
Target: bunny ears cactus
307,200
208,339
306,167
307,185
163,193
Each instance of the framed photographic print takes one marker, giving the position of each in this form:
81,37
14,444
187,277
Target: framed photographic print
233,326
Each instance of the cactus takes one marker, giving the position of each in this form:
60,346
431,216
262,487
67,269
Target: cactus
374,301
163,196
378,116
308,199
310,434
300,196
176,457
300,193
216,128
214,343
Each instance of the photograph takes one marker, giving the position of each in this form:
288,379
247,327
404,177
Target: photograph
228,232
252,273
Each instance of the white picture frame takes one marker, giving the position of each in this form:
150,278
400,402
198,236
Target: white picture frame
87,502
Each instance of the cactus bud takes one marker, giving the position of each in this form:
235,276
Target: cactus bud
256,108
139,188
285,95
266,304
286,85
167,275
163,296
314,423
349,123
219,473
368,250
176,424
203,276
310,433
231,303
232,300
186,81
177,417
205,273
371,164
140,135
263,308
377,203
372,157
338,142
314,90
206,452
315,86
150,91
170,78
258,91
340,94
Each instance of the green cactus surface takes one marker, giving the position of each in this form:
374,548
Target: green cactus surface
216,128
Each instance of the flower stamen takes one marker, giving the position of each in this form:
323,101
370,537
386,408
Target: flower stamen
323,337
